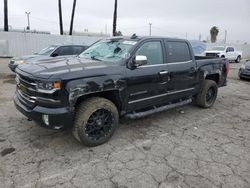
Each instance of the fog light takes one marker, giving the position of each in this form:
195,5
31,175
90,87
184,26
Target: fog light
46,119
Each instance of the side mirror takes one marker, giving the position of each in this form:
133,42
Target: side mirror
140,60
54,55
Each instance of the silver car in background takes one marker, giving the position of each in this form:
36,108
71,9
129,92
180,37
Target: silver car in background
49,52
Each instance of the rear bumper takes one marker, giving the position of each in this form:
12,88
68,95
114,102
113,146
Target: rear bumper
58,117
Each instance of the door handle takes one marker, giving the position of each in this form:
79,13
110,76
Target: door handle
163,72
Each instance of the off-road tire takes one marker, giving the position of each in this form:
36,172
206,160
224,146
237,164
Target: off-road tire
201,98
83,112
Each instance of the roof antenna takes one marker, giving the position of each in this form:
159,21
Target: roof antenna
134,36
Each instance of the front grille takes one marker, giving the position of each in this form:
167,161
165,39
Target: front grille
211,54
28,82
26,91
26,100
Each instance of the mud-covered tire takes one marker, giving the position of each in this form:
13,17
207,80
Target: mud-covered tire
207,95
88,118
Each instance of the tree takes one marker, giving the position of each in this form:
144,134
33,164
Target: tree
118,33
60,16
115,19
72,18
6,25
214,31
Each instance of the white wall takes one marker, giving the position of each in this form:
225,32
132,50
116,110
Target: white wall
245,48
18,44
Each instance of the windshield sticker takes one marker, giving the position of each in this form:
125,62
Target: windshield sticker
129,42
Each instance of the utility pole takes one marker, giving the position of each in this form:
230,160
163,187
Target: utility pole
200,37
106,29
150,29
72,18
28,17
6,25
60,17
225,40
115,19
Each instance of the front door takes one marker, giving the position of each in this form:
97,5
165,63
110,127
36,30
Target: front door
147,84
230,54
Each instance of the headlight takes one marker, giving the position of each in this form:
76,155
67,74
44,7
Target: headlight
48,87
18,62
243,66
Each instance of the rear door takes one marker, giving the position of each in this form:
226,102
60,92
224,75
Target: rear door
147,85
182,69
230,53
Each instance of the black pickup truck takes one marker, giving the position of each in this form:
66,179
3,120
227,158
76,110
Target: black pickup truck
116,77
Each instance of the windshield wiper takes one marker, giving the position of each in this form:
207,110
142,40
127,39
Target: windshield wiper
95,58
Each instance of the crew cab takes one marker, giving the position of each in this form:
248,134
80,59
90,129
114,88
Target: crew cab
225,52
117,77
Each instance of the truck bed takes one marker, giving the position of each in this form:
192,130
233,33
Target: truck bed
203,61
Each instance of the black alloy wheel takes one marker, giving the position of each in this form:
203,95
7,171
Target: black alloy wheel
99,124
211,95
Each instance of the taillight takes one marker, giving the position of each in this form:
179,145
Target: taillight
227,69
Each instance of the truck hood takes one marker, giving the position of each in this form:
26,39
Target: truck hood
213,51
57,67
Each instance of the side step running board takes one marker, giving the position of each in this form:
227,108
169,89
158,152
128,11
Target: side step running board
156,110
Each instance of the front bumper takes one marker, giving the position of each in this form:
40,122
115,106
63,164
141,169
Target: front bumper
244,73
59,118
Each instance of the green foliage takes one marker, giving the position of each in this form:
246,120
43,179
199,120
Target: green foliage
118,33
214,31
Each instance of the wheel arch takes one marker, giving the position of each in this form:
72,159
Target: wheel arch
111,95
215,77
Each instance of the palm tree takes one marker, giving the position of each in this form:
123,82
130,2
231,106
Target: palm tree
6,25
60,16
214,31
72,18
115,19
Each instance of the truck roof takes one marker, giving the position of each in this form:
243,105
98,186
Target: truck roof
138,38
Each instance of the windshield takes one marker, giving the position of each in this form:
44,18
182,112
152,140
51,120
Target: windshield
110,51
47,51
218,48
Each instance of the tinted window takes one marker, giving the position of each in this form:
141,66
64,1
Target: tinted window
231,49
64,50
178,52
77,50
47,51
153,52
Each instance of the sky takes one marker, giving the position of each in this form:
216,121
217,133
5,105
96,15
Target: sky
172,18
